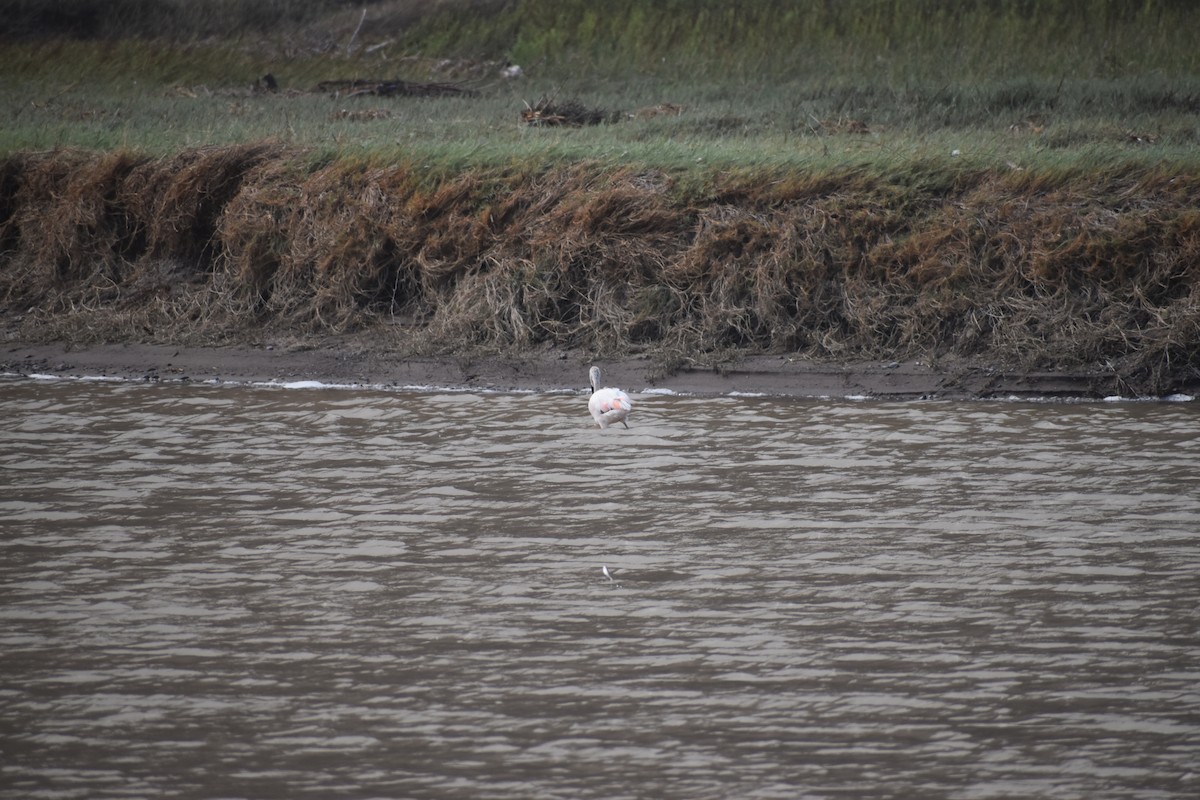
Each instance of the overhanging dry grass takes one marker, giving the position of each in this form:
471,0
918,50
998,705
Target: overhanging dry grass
1069,271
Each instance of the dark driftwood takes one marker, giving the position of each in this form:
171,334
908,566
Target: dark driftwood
394,88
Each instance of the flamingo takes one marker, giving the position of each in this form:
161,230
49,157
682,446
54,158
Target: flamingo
607,405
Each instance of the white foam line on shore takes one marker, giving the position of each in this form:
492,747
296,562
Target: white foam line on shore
425,388
308,385
41,376
315,385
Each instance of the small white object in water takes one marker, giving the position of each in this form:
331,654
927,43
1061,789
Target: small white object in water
607,574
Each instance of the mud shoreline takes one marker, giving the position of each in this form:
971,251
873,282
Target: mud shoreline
354,362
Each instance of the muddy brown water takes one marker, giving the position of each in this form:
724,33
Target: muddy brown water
262,592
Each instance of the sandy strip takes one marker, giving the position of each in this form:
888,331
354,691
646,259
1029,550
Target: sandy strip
350,363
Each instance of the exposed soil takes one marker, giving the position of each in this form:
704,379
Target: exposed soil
350,360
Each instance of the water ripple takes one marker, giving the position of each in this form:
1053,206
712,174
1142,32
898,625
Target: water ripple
212,591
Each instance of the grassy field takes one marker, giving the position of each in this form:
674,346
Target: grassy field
794,84
1014,182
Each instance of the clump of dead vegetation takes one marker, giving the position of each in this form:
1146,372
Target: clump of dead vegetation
394,87
1097,272
549,112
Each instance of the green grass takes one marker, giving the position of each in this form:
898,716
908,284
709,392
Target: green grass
176,20
781,125
896,41
780,84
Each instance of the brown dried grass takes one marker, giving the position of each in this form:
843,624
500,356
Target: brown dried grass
1098,272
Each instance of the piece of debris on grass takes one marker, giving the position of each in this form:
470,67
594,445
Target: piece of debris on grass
355,87
548,112
361,115
1140,138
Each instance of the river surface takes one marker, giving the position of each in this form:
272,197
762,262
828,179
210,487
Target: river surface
268,592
